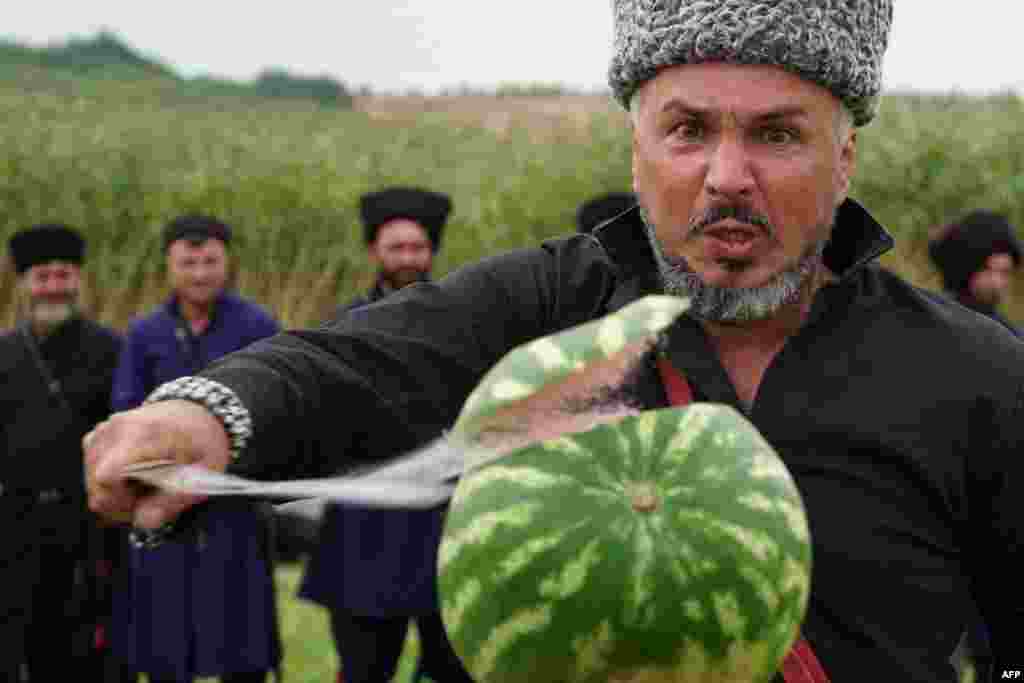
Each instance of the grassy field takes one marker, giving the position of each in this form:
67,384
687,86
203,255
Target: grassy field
120,164
308,650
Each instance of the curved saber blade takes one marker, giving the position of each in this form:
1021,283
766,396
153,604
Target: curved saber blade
368,491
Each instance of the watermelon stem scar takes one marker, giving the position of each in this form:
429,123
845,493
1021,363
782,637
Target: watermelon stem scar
643,496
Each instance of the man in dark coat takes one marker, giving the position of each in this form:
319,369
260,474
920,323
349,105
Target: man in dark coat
204,606
55,369
977,255
375,570
745,116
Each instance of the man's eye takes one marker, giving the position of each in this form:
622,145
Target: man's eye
688,131
777,136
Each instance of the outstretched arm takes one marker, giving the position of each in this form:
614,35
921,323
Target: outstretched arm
375,383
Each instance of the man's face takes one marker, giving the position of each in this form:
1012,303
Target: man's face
198,272
52,290
739,170
403,252
990,284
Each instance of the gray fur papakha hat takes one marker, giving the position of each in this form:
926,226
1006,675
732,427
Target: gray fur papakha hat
838,44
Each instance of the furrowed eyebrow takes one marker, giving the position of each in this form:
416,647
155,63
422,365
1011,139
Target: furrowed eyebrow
676,106
680,107
794,112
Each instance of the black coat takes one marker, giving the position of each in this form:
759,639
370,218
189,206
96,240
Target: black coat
899,413
42,487
41,432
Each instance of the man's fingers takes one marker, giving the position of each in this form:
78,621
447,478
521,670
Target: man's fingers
111,504
166,430
108,449
158,508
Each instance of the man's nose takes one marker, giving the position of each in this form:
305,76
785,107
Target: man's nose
54,287
407,257
729,174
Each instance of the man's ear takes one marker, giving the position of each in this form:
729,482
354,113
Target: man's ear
634,156
847,163
371,253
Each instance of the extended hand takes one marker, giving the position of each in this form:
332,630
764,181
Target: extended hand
178,430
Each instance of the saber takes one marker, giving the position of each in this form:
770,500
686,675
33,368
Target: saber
571,382
390,486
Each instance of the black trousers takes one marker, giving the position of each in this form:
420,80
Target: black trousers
12,643
369,648
10,671
58,635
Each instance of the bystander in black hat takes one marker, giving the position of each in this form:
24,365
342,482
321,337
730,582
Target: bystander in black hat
961,248
196,228
44,243
597,210
429,209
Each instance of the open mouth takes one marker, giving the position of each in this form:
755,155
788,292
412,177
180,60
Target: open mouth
737,242
734,236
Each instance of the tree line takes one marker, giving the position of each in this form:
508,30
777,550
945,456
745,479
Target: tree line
106,57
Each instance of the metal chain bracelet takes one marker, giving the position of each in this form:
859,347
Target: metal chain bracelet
225,405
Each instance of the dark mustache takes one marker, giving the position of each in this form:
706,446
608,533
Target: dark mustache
736,212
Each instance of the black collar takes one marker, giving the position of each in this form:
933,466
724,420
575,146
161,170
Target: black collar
379,290
857,240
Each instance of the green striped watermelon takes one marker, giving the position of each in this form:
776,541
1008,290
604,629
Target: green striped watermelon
667,545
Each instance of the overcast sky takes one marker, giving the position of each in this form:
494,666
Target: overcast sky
401,44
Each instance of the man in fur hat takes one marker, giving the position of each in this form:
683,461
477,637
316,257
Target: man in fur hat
977,256
375,570
745,117
402,227
56,369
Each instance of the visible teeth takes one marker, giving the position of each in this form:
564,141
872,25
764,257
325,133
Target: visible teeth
733,235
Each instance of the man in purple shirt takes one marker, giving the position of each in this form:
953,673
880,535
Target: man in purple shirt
204,605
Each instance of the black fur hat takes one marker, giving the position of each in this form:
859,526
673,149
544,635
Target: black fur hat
46,242
196,227
960,249
429,209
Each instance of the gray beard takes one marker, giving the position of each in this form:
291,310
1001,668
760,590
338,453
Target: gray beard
734,304
46,317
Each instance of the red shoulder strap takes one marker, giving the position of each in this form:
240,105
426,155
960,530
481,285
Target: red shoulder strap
800,664
676,386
